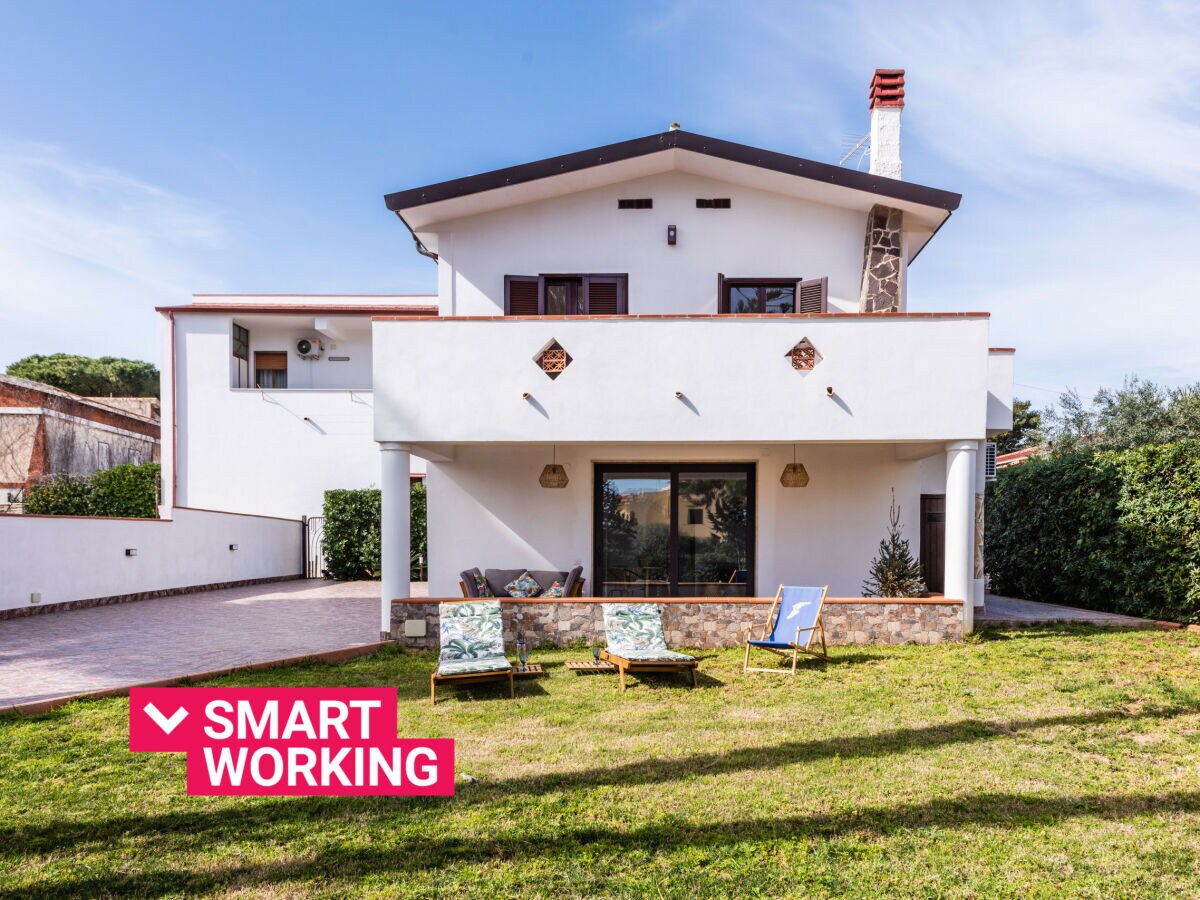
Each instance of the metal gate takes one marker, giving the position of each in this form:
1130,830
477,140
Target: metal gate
314,546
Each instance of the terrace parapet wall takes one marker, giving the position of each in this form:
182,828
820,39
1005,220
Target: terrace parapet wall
704,623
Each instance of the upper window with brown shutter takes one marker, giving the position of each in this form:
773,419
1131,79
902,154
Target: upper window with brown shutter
772,295
566,295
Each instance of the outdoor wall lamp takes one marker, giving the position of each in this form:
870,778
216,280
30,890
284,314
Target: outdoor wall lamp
671,235
131,551
233,546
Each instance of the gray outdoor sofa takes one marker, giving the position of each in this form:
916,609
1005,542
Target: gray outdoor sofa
496,579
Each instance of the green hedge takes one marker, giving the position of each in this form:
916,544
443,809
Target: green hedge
1116,531
126,491
352,548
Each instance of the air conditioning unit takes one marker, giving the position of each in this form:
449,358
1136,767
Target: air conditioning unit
989,461
309,348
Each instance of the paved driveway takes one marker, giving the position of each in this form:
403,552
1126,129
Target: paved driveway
150,640
1011,611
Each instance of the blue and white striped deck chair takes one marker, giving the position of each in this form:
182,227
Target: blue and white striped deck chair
796,614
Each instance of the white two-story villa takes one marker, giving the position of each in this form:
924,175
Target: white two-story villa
690,366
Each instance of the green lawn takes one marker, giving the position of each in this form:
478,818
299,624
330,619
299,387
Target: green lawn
1024,764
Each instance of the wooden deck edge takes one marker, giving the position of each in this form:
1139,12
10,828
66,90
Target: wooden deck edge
342,654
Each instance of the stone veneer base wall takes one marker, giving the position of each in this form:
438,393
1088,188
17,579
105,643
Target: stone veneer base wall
706,623
66,606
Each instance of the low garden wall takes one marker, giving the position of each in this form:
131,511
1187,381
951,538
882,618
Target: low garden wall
706,623
54,563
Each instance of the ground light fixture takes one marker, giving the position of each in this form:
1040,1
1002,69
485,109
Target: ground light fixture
553,475
794,474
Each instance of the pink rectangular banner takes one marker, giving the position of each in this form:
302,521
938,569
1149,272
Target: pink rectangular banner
289,741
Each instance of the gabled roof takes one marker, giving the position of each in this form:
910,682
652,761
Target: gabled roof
887,188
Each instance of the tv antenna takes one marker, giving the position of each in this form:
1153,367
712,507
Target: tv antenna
860,149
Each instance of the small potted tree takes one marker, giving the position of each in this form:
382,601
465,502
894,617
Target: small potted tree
894,572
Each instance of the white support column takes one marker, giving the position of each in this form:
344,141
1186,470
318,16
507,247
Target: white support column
977,587
960,526
394,483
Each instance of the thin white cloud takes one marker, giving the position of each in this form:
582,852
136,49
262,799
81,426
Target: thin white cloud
86,252
1032,93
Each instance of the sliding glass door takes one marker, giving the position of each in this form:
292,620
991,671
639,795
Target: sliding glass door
682,530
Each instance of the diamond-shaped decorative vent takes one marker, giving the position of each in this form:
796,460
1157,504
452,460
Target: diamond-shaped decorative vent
804,356
553,359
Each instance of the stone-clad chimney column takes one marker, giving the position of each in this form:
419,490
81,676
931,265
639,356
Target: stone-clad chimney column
883,273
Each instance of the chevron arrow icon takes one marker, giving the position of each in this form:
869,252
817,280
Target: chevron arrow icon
166,723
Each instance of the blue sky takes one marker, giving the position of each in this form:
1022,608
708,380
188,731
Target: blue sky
151,150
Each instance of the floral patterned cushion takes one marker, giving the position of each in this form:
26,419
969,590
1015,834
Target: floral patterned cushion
634,626
470,631
652,655
467,666
482,588
525,586
555,590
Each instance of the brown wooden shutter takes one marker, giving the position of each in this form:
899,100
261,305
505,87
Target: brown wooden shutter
813,295
605,295
270,360
522,295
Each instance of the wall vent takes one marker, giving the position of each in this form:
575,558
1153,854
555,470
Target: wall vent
989,461
638,203
713,203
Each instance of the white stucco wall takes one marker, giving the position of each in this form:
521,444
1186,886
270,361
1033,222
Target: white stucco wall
1001,373
894,378
486,509
66,558
272,452
765,235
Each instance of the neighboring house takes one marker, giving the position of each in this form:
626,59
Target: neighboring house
268,402
45,431
674,320
1004,460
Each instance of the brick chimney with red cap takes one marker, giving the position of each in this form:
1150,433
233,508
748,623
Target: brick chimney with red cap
887,102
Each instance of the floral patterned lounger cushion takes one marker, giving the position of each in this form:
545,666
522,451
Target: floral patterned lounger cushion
472,638
470,666
525,586
555,590
635,632
482,588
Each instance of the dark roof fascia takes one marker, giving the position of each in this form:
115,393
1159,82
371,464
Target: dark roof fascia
682,140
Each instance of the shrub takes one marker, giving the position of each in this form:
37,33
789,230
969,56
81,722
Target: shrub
62,495
1117,531
126,491
352,533
123,491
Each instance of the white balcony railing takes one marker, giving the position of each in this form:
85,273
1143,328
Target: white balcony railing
668,379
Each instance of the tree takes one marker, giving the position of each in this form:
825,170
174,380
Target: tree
894,572
1137,414
108,376
1026,430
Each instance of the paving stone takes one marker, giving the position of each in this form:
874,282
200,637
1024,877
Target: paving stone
115,646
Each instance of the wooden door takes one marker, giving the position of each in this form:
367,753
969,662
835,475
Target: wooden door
933,541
